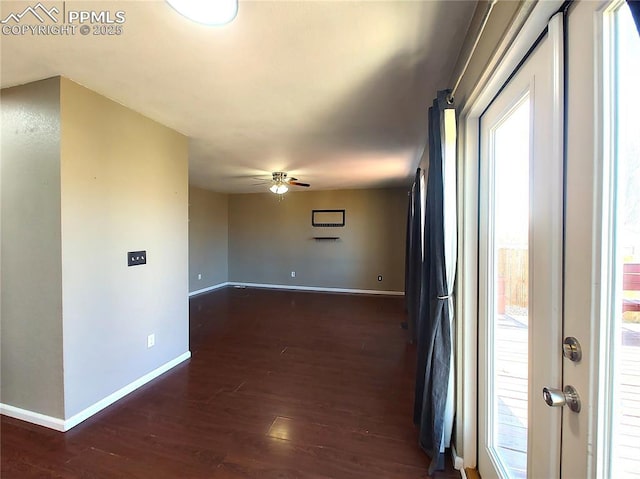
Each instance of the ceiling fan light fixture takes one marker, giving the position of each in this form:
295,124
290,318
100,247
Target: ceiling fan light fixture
218,12
279,188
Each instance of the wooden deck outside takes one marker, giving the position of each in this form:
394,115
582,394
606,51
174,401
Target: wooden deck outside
511,392
627,439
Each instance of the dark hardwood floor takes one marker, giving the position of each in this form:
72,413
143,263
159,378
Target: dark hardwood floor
280,385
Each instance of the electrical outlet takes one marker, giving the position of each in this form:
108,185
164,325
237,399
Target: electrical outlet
379,277
151,340
199,276
293,274
134,258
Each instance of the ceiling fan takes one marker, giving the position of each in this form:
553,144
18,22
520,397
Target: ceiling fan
280,183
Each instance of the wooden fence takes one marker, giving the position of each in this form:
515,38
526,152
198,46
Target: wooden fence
513,285
513,275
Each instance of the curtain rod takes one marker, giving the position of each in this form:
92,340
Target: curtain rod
483,24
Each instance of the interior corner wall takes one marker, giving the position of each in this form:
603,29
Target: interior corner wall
124,187
269,237
208,238
31,299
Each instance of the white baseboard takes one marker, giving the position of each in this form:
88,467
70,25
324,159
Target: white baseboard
210,288
65,425
458,462
32,417
316,288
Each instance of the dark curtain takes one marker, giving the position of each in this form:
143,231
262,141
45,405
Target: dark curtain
433,324
413,258
634,6
407,252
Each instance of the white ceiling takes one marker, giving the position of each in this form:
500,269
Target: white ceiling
334,92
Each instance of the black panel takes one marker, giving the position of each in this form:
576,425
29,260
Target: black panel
335,218
135,258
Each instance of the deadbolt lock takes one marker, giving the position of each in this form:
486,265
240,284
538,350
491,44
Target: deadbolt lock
571,349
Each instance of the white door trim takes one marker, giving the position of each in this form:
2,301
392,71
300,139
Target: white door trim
467,305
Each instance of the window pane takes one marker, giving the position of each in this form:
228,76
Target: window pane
511,289
625,453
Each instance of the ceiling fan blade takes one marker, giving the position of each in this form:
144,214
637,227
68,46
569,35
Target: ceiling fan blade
296,183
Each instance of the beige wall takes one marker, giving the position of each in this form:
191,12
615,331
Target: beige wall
208,238
124,183
270,237
31,299
84,180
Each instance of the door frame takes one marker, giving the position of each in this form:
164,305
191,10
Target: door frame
531,20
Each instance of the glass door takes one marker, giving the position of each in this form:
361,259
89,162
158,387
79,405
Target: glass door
602,293
520,269
624,289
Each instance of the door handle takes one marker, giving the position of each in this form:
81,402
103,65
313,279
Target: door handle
558,398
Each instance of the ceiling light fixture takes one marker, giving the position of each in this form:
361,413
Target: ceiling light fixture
279,185
217,12
279,188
